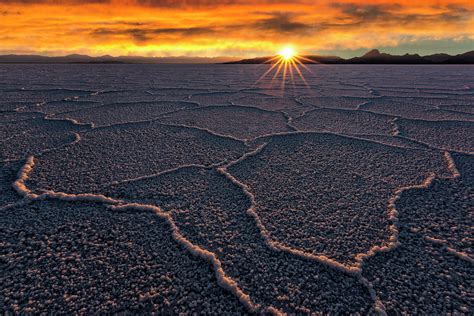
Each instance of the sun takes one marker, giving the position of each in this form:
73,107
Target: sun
287,63
287,53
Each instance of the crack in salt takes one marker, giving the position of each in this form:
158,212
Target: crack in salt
223,280
356,269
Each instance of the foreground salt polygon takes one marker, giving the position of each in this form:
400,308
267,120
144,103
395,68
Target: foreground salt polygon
192,190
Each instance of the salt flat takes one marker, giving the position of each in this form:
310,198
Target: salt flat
193,189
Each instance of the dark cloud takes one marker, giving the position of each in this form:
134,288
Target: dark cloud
450,14
184,31
119,23
151,3
159,3
282,22
192,3
392,14
367,12
456,13
5,13
67,2
146,34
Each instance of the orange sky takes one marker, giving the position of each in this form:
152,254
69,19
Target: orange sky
233,27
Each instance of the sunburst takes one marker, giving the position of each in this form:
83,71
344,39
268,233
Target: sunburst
285,64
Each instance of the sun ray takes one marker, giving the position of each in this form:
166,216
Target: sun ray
302,65
280,65
272,59
270,69
307,59
286,63
299,73
284,75
291,74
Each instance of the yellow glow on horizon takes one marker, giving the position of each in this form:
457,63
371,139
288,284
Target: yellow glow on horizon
287,53
287,62
243,29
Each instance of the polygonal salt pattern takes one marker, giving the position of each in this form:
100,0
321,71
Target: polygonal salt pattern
168,189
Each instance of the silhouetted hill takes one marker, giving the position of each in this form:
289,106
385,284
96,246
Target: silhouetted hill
373,53
107,59
271,59
438,58
466,58
375,57
372,57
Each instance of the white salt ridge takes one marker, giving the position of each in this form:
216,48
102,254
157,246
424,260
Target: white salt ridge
395,129
391,207
185,145
460,254
451,165
355,269
126,112
164,186
361,79
204,130
333,102
372,138
23,174
344,121
219,97
77,138
394,141
291,106
166,172
454,136
276,245
66,119
21,188
223,280
118,205
72,131
351,270
393,216
52,108
13,205
243,122
415,111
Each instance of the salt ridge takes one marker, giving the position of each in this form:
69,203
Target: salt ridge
21,188
118,205
355,269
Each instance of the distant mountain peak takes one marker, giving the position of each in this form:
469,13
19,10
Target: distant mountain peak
77,56
372,53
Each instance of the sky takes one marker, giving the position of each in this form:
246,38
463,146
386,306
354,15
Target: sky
234,28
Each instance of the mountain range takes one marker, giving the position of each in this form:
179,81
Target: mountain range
372,57
107,59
